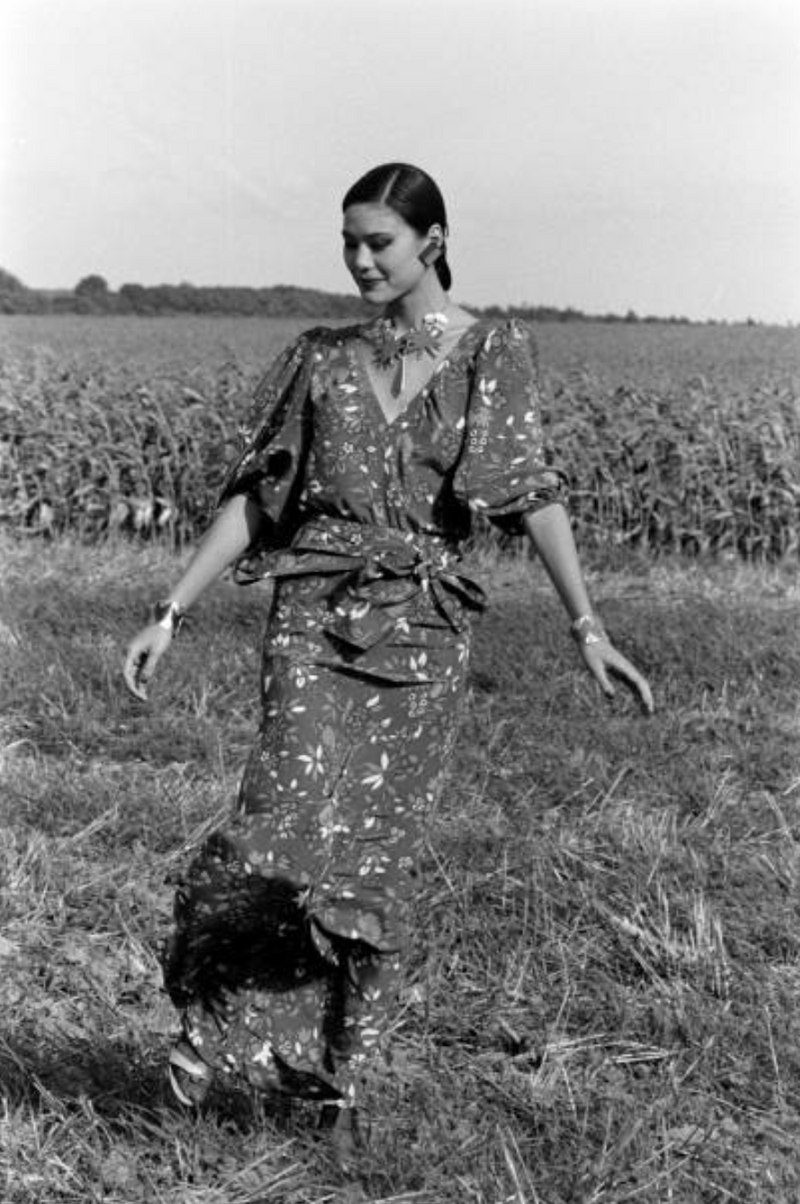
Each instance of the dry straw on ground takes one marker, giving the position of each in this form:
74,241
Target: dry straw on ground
601,1007
602,1002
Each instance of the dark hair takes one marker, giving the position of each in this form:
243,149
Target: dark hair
412,194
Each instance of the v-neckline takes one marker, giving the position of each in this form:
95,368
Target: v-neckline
444,361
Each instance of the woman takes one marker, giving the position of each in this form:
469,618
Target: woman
368,451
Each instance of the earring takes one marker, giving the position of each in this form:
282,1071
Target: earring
430,253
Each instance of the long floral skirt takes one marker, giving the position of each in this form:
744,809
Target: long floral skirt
292,920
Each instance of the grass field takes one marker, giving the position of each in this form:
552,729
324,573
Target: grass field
602,1006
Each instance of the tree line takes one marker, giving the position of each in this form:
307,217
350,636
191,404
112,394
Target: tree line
92,296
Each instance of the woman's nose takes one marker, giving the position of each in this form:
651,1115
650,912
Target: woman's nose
363,257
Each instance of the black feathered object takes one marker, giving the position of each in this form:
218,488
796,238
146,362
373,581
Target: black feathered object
236,929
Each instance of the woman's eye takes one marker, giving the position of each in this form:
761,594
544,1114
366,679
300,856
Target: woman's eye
374,244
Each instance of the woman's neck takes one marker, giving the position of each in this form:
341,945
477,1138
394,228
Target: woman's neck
409,310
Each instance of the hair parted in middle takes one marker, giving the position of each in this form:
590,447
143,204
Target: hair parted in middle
412,194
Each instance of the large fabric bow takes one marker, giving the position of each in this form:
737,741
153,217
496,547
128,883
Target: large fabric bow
375,572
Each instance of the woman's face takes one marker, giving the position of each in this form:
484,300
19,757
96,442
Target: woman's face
381,252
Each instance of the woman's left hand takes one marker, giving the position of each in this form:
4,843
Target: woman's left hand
603,661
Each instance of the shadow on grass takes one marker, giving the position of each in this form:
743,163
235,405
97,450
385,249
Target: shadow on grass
114,1076
116,1079
606,951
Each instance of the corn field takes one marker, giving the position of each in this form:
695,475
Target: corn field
676,439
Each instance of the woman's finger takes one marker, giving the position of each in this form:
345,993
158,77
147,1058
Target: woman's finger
144,653
633,678
601,677
645,693
140,665
602,659
136,673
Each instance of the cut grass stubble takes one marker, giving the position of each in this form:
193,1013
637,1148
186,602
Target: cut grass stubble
601,1003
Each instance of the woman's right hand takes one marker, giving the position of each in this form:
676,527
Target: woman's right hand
144,652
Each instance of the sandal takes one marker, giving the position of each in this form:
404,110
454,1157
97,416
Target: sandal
189,1077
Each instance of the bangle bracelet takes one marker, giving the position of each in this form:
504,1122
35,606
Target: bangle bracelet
169,615
586,629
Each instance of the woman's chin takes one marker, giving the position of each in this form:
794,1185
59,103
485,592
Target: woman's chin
373,297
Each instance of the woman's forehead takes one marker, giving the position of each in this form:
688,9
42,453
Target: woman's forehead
372,219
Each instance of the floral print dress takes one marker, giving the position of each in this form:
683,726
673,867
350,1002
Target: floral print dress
292,920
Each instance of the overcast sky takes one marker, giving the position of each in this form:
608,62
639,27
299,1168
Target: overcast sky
605,154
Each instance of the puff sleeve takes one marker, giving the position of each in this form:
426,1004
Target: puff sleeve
276,437
505,470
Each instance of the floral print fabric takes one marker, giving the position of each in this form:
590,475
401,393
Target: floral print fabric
291,921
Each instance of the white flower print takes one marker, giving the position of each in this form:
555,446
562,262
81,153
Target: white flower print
264,1055
376,779
314,762
353,740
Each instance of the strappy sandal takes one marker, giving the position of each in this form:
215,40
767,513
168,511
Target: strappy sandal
189,1077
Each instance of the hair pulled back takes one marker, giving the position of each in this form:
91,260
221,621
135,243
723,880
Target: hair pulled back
412,194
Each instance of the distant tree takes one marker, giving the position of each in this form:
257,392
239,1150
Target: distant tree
133,299
92,296
15,298
93,288
10,284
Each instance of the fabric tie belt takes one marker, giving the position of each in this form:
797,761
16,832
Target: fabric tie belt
376,570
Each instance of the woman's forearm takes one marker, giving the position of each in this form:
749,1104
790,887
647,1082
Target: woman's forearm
550,533
231,533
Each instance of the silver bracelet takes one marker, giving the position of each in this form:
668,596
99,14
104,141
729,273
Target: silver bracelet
586,629
169,615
